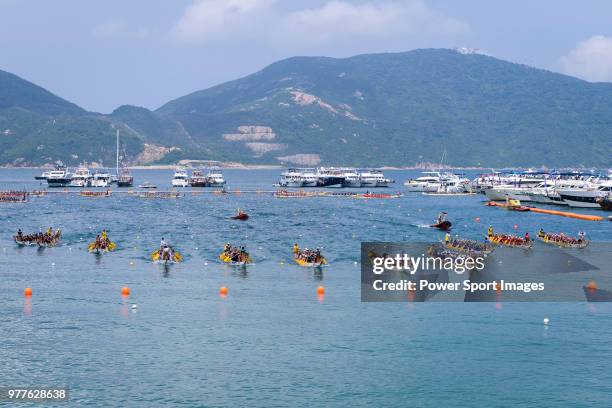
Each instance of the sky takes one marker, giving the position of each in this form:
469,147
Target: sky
103,54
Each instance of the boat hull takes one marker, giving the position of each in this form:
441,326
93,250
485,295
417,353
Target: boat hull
58,182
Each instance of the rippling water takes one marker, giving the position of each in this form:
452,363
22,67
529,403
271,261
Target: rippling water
272,341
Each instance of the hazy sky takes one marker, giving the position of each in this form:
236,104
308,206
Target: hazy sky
102,54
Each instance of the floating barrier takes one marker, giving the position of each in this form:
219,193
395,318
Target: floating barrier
550,212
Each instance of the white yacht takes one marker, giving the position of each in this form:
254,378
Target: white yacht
374,178
59,177
351,178
101,179
180,179
81,177
586,197
291,178
427,183
214,178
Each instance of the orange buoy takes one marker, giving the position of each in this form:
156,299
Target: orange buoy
27,292
320,290
125,291
515,226
592,285
223,291
477,219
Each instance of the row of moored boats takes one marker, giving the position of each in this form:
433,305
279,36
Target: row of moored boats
333,177
82,177
571,189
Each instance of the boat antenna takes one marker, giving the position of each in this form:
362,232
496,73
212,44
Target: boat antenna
117,171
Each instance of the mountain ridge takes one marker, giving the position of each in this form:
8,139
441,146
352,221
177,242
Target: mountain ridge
393,109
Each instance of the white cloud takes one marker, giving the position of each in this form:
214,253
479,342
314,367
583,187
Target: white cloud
590,59
334,21
340,19
206,20
118,29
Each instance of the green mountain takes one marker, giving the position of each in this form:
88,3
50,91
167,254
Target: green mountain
400,109
37,127
378,109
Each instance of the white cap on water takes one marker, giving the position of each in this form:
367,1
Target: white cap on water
134,306
546,321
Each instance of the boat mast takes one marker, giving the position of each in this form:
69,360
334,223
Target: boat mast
117,171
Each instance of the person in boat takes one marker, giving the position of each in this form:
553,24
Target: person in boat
490,231
104,235
296,248
442,217
541,233
527,238
50,231
19,234
163,244
581,237
447,238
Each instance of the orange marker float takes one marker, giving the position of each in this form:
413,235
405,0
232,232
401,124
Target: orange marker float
27,292
125,291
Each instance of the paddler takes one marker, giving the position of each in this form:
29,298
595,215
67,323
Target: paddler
490,231
104,237
49,231
447,238
296,248
442,217
527,238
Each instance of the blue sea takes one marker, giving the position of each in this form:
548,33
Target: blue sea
272,341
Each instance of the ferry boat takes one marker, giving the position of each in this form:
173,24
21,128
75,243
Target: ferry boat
180,179
81,177
330,176
59,177
125,179
100,179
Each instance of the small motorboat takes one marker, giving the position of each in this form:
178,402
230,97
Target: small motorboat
146,184
442,223
605,203
442,226
241,215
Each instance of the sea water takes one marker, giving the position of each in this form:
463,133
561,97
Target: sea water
272,341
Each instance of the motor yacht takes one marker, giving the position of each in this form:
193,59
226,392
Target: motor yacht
59,177
100,179
81,177
215,178
586,197
180,179
374,178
